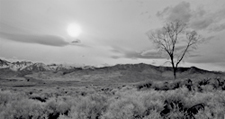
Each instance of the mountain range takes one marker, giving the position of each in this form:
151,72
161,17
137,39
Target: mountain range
30,66
120,72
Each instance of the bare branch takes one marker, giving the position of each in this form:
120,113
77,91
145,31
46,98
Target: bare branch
169,36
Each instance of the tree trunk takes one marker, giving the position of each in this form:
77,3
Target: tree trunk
174,67
175,72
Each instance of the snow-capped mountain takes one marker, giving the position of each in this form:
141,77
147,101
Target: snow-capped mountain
4,63
61,67
17,66
37,67
27,66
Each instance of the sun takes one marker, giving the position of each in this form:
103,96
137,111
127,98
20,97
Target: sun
74,30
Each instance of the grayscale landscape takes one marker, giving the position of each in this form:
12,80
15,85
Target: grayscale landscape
112,59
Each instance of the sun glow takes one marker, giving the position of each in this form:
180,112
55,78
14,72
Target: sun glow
74,30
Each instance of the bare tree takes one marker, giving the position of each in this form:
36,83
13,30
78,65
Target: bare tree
175,39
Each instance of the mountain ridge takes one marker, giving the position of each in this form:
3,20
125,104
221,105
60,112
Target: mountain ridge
29,66
38,66
121,72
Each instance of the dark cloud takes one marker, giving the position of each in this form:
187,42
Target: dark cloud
38,39
76,41
198,19
123,53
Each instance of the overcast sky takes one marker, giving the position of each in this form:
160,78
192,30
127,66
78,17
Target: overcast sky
113,31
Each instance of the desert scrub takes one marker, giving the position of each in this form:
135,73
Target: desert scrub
217,104
7,96
119,103
89,107
152,101
23,109
133,104
124,109
9,99
56,106
153,115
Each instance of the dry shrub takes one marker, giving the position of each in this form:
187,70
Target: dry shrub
153,115
124,109
7,96
90,107
54,107
23,109
205,114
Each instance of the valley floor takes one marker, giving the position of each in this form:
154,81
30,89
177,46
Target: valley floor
180,99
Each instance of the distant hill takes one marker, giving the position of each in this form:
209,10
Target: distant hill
117,73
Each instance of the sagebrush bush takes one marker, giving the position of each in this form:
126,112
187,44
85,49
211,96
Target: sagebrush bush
55,107
124,108
23,109
206,114
90,107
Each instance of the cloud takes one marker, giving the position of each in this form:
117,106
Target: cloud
76,41
180,47
180,11
207,39
218,27
201,23
207,59
124,53
50,40
194,55
145,54
198,19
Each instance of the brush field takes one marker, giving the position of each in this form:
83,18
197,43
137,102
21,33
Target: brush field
173,99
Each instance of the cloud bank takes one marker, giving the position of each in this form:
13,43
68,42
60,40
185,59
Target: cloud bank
198,19
49,40
145,54
130,54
